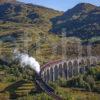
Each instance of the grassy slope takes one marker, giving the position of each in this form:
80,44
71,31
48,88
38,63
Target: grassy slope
27,26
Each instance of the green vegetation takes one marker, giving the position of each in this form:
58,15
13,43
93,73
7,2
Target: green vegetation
81,21
21,23
84,87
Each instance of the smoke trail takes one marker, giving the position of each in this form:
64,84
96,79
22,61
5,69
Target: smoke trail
26,60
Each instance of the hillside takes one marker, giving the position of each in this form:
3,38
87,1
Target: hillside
20,22
82,21
29,24
2,1
26,13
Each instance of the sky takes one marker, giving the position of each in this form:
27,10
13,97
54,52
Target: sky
61,5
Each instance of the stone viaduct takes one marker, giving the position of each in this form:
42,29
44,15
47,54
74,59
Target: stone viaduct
68,68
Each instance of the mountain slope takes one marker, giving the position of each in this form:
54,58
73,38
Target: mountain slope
26,23
22,23
82,21
20,12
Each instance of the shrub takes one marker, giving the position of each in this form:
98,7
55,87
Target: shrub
53,85
62,82
89,79
95,72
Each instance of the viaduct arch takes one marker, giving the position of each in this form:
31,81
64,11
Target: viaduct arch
67,69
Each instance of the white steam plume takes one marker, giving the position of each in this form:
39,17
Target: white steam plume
26,60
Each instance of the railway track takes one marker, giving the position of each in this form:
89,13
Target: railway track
46,88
